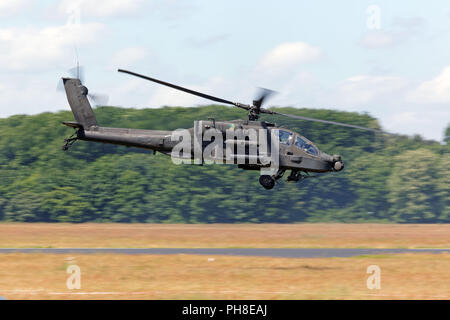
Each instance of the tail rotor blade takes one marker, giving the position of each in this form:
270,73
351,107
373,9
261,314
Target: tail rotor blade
60,85
99,99
78,73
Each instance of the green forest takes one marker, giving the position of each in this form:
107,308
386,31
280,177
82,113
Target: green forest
386,178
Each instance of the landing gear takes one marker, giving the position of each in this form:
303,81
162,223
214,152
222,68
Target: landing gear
69,141
295,176
267,181
279,174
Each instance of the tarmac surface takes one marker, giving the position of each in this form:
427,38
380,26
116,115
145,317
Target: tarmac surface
257,252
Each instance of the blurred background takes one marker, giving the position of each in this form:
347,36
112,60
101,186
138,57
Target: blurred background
377,64
386,178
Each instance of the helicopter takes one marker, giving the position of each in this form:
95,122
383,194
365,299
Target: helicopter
294,152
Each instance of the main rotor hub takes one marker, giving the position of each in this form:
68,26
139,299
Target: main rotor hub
253,114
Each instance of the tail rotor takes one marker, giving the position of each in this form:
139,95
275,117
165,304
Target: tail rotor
78,72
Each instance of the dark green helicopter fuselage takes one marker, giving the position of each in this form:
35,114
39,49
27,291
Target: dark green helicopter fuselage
296,153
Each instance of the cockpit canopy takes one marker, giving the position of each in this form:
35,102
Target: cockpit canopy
302,144
286,138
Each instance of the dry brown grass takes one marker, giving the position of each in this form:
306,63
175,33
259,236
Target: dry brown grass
224,236
106,276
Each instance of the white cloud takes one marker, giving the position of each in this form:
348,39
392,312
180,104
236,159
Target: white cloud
128,57
436,90
430,121
33,49
363,89
100,8
8,7
30,95
297,88
290,54
387,99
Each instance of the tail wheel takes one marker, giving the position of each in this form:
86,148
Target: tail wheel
267,182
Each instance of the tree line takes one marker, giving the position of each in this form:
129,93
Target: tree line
386,178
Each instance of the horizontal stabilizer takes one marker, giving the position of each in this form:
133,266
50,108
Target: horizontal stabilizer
73,124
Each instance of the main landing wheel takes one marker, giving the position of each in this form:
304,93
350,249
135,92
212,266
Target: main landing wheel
267,182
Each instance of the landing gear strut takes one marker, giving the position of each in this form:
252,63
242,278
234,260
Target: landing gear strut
297,176
69,141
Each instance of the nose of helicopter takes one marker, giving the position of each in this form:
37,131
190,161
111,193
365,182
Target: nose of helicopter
338,165
335,162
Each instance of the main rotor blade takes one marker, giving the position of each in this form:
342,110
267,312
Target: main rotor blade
263,94
206,96
330,122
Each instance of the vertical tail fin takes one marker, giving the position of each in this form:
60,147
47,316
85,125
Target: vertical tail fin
79,103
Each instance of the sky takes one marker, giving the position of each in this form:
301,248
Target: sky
390,59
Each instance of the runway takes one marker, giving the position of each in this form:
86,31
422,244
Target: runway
255,252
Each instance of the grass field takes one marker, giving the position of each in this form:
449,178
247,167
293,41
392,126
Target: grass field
406,276
115,276
224,236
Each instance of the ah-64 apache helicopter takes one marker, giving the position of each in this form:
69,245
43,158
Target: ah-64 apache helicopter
296,153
